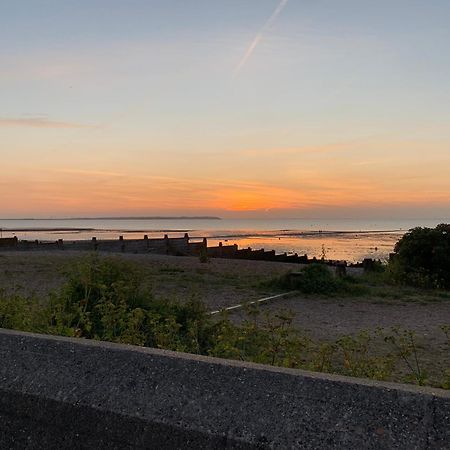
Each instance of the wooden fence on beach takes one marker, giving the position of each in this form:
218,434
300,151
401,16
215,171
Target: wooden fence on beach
176,246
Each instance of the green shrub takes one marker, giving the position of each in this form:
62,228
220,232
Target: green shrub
318,279
357,357
104,299
422,258
19,313
97,298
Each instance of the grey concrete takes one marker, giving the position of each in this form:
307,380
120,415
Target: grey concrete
71,393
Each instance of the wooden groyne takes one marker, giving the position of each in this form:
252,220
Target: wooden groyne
175,246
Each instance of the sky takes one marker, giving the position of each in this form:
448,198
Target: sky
235,108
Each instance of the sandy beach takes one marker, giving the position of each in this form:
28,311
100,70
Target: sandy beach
221,283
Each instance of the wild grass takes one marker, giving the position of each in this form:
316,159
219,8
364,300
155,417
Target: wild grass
110,299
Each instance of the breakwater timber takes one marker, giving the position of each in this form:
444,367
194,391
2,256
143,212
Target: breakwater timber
179,246
59,393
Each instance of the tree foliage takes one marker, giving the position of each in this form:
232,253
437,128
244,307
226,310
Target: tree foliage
422,257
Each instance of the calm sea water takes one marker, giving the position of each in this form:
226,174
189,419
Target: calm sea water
350,239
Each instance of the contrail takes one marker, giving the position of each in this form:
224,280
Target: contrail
259,37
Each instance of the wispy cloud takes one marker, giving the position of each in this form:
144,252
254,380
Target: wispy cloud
93,173
259,37
38,122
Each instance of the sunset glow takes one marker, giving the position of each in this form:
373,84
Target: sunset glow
234,108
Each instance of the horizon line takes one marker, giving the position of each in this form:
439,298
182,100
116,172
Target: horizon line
219,218
118,218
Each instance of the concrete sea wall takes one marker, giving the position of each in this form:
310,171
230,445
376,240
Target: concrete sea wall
72,393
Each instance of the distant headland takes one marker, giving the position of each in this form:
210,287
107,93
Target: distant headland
123,218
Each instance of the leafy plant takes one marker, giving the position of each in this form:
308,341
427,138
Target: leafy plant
422,257
359,359
406,347
318,279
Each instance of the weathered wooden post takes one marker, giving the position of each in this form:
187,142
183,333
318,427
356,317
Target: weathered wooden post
368,264
341,269
94,243
186,244
167,243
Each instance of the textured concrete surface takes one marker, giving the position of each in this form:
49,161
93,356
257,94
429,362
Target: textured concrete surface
70,393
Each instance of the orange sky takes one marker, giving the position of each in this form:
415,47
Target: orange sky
263,108
291,181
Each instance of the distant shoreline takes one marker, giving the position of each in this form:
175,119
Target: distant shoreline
217,235
122,218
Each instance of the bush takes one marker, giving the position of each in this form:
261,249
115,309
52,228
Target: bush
104,299
422,258
318,279
97,299
19,313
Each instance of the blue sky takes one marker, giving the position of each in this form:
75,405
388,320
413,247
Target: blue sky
335,98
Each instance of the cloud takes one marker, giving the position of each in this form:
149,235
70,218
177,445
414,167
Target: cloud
259,37
37,122
92,173
305,150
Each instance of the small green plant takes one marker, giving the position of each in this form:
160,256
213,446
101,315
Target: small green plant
322,355
446,330
359,359
446,376
406,347
20,313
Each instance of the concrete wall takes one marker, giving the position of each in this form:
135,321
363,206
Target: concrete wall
72,393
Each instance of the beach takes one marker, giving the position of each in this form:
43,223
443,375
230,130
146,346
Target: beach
222,283
338,239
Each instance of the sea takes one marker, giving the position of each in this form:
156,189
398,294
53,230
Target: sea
338,239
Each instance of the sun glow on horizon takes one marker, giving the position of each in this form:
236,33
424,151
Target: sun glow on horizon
320,108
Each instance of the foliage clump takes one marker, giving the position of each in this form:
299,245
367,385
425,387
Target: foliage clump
318,279
422,258
105,299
